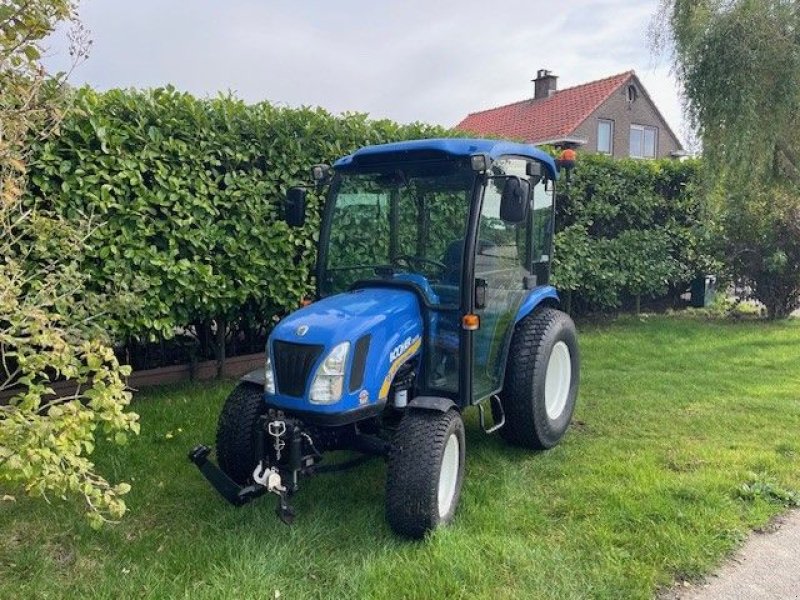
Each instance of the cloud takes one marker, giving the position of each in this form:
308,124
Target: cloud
416,60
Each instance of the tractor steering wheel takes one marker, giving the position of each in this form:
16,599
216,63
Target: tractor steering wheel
419,260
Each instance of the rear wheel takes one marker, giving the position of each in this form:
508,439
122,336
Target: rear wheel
541,384
236,431
426,469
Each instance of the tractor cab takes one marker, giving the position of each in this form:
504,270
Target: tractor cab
433,294
465,225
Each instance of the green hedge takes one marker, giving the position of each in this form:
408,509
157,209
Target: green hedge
629,229
188,192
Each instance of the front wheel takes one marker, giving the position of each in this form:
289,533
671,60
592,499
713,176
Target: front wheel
426,469
237,430
541,384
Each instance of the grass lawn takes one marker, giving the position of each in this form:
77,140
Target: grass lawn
675,416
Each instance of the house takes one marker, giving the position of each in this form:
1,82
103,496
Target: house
614,116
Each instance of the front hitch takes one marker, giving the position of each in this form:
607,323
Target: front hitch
268,473
227,487
287,451
266,481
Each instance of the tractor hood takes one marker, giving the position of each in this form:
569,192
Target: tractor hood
346,317
384,329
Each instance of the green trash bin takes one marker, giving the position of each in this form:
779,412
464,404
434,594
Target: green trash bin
703,290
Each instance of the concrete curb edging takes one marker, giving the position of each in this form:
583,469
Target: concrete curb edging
767,567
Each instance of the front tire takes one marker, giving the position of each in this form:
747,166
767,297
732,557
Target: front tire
425,473
236,431
542,376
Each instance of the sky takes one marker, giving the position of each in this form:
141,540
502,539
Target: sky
411,60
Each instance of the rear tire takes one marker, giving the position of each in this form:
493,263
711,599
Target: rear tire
542,376
236,431
426,470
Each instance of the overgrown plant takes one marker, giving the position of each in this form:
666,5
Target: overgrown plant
763,238
48,321
739,63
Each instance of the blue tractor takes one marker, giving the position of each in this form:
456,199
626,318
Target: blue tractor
432,296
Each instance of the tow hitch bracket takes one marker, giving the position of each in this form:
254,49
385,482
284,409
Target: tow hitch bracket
285,438
227,487
266,480
270,479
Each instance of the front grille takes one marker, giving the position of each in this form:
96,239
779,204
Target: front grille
293,364
359,362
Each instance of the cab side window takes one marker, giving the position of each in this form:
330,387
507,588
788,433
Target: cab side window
503,254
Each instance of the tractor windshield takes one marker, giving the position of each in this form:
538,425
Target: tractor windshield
405,221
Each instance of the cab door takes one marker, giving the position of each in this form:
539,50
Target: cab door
503,261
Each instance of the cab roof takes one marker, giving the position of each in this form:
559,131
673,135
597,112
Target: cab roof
443,148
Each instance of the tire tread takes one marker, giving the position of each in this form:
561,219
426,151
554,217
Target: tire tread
413,472
236,431
525,356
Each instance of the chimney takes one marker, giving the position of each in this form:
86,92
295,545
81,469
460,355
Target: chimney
545,84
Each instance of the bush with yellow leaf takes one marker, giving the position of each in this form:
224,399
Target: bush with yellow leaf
48,328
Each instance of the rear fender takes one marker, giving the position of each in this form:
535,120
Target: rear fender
544,295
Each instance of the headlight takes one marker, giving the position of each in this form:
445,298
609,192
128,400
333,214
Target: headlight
326,388
269,376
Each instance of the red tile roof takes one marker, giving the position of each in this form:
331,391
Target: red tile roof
545,119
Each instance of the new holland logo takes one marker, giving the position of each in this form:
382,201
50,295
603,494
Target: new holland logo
398,350
397,357
302,330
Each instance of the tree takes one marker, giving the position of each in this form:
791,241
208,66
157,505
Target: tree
48,320
739,65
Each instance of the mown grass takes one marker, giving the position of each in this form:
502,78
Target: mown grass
675,415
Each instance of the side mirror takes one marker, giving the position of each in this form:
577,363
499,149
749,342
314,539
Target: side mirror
295,207
514,201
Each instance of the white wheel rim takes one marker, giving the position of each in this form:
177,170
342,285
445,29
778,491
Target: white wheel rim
448,475
557,380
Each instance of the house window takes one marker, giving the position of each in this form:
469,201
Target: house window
605,136
644,141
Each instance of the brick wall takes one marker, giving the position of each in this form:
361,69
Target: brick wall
624,114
